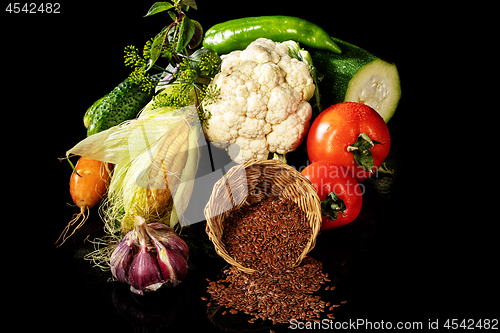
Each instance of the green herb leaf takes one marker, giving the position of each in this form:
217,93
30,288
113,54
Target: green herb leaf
198,35
186,33
156,47
159,7
172,16
190,3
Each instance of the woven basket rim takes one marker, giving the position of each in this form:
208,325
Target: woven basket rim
232,192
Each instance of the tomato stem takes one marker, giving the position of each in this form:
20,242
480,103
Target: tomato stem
332,206
361,151
384,169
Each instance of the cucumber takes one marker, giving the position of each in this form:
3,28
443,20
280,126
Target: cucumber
87,118
356,75
123,103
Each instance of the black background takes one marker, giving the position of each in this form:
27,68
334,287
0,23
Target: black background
433,256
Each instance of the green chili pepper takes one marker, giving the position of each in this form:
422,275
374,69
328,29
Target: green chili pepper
238,34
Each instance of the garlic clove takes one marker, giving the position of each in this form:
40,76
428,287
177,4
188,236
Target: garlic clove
173,265
122,257
169,238
144,273
178,245
179,265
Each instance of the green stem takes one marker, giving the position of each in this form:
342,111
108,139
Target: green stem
362,153
332,206
72,166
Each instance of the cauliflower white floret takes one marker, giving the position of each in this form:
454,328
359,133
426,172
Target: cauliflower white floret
263,106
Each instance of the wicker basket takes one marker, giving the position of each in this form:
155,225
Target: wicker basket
251,182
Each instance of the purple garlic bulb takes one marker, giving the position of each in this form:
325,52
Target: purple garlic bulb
150,257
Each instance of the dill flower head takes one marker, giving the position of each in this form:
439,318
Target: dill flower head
207,61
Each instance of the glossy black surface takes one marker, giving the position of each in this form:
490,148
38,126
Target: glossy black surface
423,251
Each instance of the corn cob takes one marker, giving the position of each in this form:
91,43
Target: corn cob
167,168
153,200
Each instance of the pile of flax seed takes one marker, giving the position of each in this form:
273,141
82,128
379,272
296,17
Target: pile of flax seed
269,236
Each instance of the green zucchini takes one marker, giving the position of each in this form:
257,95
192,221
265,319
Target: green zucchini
356,75
124,102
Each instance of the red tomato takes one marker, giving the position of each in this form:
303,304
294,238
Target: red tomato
339,127
329,178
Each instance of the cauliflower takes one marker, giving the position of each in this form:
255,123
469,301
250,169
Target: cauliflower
263,104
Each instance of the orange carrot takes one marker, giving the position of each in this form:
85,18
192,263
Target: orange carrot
87,185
